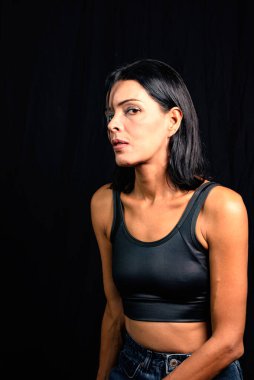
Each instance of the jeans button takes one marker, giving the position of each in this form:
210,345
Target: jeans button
173,363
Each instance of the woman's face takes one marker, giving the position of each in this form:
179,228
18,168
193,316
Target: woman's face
138,128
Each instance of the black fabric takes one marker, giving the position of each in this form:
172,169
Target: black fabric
164,280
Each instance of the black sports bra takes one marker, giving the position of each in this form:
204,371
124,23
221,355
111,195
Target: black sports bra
167,279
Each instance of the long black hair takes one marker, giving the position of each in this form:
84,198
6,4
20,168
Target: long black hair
186,166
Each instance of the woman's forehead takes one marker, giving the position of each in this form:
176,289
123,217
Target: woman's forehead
124,90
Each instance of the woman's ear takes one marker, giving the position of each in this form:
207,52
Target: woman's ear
175,116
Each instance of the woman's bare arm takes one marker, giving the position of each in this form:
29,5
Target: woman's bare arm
113,319
225,228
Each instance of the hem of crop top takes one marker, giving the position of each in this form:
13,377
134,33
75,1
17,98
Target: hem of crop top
135,310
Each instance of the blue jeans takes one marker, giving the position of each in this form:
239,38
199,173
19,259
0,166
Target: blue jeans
137,362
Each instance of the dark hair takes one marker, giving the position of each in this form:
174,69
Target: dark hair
186,166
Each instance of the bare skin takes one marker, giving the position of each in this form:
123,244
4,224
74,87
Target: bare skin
151,210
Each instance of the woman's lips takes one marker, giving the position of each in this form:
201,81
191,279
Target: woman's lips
119,144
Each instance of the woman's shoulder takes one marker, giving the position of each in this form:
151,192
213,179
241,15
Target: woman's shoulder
102,197
225,223
102,208
224,200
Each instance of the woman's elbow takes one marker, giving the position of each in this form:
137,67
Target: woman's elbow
114,315
234,349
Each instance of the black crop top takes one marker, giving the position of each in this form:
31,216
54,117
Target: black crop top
168,279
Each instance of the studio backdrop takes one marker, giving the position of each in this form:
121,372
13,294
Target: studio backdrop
54,153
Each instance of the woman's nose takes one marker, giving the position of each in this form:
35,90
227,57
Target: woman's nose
115,124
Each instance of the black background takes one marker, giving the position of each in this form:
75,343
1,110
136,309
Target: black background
55,154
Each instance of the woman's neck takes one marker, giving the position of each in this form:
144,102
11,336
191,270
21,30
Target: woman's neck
152,183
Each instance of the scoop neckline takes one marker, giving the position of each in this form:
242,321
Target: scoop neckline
173,230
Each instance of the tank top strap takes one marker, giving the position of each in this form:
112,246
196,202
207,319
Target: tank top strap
197,200
188,223
117,215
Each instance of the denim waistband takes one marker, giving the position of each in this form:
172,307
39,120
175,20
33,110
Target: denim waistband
170,359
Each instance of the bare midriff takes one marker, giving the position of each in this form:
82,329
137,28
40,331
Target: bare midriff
175,337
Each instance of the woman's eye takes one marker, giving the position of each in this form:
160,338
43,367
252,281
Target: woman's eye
132,110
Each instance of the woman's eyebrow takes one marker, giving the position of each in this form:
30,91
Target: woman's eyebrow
124,101
127,100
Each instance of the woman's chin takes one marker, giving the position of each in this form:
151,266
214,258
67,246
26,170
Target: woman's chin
124,163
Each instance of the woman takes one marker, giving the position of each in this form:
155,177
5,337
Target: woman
173,244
